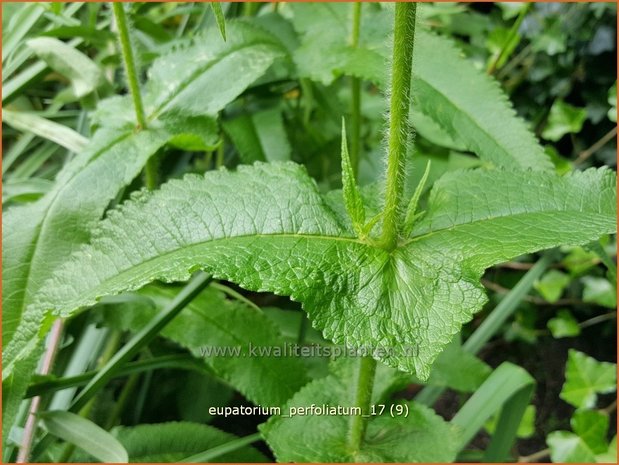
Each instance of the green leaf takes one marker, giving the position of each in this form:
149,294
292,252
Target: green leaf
84,434
526,428
563,119
480,118
267,228
84,74
212,323
350,190
47,129
592,427
259,137
552,285
599,291
612,100
563,325
566,447
421,436
185,87
585,377
173,441
610,456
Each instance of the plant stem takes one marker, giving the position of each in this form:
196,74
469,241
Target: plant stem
129,62
53,343
355,83
363,398
150,170
403,44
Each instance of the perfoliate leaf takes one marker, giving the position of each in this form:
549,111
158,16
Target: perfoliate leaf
420,436
229,336
350,190
585,377
84,434
267,228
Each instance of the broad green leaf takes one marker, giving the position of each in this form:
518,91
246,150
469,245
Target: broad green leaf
211,325
186,89
421,436
599,291
267,228
47,129
84,74
84,434
563,119
171,442
563,325
567,447
463,101
585,377
552,285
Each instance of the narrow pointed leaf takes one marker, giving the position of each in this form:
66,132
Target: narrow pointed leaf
350,190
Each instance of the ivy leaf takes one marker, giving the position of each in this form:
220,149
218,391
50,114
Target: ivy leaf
563,119
599,291
186,89
612,101
592,427
552,285
267,228
422,436
567,447
585,377
211,322
563,325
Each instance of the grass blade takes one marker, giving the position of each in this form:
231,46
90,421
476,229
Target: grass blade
86,435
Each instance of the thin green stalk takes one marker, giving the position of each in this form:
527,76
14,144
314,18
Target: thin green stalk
363,398
510,37
129,62
355,133
141,339
403,44
150,170
182,361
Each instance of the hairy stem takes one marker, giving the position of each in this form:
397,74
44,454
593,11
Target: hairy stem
150,170
363,398
355,83
403,43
